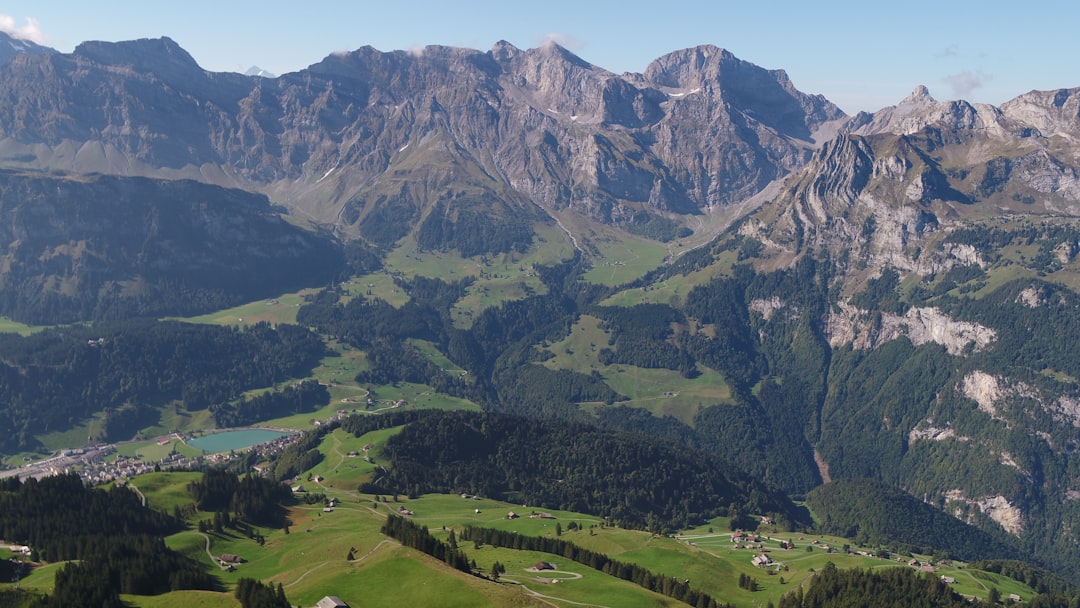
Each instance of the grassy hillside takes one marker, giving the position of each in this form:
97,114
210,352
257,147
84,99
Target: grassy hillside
311,558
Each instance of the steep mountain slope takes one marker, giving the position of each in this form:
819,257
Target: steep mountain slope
108,247
375,143
910,296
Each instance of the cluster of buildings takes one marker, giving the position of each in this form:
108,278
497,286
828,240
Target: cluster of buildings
93,464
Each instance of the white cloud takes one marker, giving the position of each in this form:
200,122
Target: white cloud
967,81
31,31
567,42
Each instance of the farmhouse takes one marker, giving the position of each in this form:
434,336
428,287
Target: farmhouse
229,558
331,602
544,566
761,560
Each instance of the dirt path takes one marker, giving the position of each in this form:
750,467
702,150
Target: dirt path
512,579
359,559
213,559
139,492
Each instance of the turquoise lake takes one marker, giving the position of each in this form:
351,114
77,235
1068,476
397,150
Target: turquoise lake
234,440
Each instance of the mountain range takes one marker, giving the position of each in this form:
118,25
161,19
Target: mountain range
888,295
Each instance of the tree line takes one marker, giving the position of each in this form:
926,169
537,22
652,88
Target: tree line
418,537
299,398
631,478
115,540
658,583
257,500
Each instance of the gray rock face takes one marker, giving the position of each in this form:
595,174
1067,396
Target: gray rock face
888,188
698,129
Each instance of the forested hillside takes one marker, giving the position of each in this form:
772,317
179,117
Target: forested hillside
115,542
631,479
101,247
123,372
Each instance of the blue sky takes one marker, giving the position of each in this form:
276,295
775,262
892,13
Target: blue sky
860,55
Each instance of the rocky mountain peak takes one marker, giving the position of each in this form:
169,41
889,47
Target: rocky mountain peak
143,55
1054,112
502,51
760,95
553,80
920,96
687,68
955,120
700,129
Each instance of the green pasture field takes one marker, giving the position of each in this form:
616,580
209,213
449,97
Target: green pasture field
572,582
666,392
281,309
75,436
172,419
17,460
416,396
183,599
342,472
498,277
394,576
377,285
341,366
7,326
42,579
311,559
150,451
624,259
581,349
436,356
672,290
179,419
661,391
166,490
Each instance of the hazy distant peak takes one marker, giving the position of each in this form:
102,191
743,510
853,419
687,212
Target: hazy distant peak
257,71
504,51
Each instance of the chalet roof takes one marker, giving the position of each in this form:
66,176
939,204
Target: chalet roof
331,601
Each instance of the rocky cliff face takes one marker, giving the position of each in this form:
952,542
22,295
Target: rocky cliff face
945,235
363,130
892,187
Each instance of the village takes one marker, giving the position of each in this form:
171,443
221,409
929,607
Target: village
96,465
